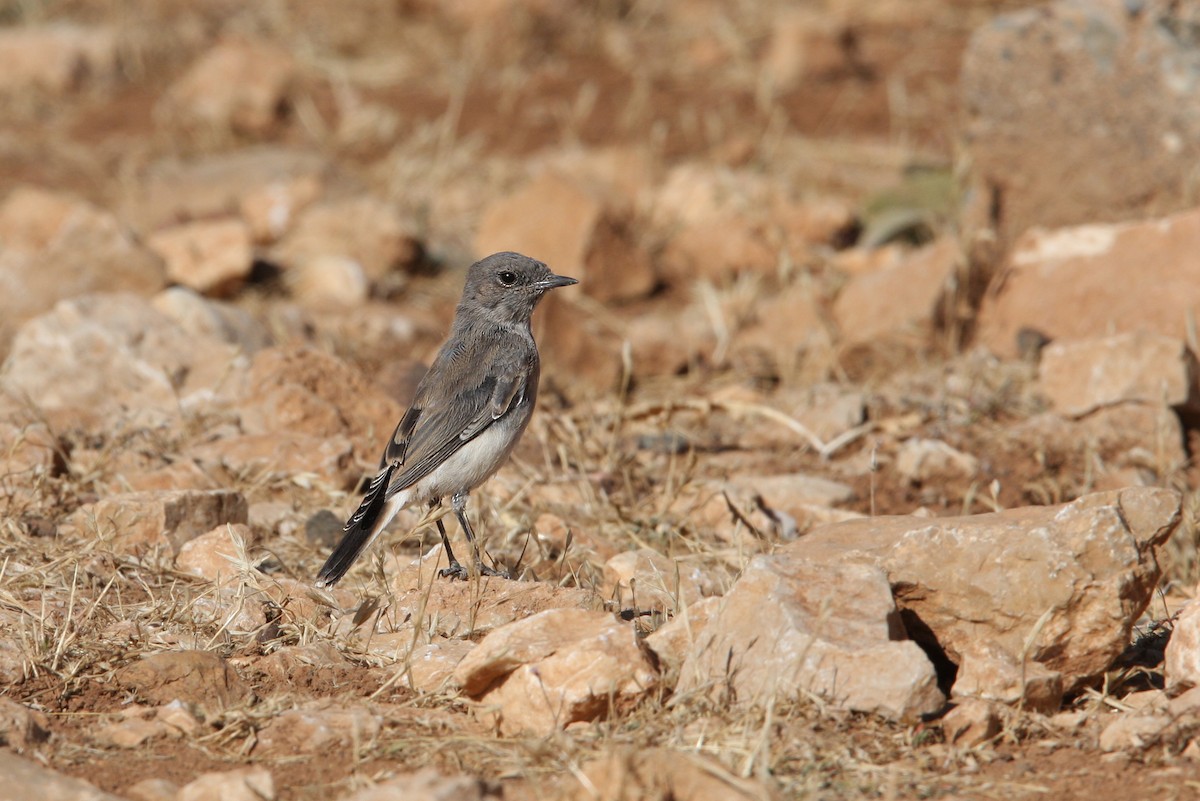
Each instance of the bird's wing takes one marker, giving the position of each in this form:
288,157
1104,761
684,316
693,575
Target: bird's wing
439,423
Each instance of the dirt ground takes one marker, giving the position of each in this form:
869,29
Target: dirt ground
887,101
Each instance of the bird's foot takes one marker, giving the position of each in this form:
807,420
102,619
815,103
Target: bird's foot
457,571
454,571
484,570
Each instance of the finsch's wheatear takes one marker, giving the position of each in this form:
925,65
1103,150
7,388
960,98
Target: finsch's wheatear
469,411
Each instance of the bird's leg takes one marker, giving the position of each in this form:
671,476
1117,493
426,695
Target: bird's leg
455,568
459,503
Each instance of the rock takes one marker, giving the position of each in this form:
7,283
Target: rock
305,392
290,663
672,642
645,579
971,723
137,724
24,778
21,728
429,668
920,460
1081,376
219,555
629,774
829,410
152,790
213,257
328,282
1077,74
54,246
718,248
362,229
113,361
627,172
239,784
317,727
804,43
204,318
281,456
27,448
578,231
1116,279
1186,704
990,673
1182,659
1143,435
55,58
463,610
423,785
666,345
718,222
200,678
555,668
141,521
172,191
790,326
794,490
1060,586
270,210
236,87
903,298
580,356
1133,732
791,627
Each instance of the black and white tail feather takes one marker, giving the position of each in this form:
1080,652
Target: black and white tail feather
361,529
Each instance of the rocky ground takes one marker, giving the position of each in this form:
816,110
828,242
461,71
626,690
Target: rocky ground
862,467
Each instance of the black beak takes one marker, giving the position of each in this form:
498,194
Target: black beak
554,282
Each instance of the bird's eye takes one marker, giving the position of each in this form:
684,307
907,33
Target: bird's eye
507,278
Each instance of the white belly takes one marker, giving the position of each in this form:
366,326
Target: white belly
469,466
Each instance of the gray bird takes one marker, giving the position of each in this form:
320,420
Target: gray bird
469,411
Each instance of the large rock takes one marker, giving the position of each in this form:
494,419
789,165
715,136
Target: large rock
239,784
316,727
1096,281
268,186
204,318
719,222
1035,592
1182,663
55,58
210,256
237,86
54,246
1080,376
302,392
790,627
109,359
201,678
1053,91
27,778
906,297
575,229
366,231
555,668
424,785
661,773
645,579
166,519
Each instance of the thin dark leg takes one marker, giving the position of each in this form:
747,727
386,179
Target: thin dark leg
455,569
459,503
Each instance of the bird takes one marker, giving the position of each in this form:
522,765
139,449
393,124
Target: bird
467,415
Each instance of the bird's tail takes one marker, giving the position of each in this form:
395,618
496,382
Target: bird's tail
373,514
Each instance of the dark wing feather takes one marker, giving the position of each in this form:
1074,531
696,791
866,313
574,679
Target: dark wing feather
453,414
